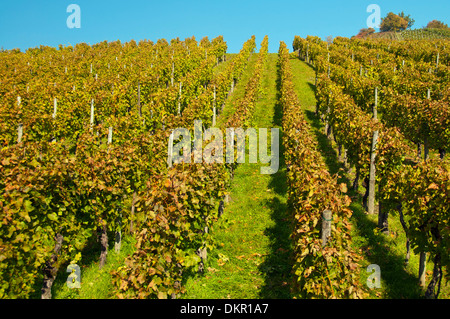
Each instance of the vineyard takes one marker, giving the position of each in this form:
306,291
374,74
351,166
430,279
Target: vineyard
416,34
86,166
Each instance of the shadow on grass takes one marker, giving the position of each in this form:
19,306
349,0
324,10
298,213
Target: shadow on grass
312,87
277,267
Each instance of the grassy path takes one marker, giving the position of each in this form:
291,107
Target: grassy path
253,247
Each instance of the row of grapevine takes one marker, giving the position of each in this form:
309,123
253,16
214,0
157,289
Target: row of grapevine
182,204
426,51
57,195
29,100
323,267
415,99
414,35
409,97
417,192
244,107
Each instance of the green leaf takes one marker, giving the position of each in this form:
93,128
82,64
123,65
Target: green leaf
28,206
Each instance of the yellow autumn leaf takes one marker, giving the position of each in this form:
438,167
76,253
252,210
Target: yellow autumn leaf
433,186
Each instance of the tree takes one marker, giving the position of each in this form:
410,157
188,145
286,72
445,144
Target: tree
393,22
435,24
408,18
329,39
365,32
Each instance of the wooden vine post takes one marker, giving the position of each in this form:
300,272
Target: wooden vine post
20,126
372,169
437,60
173,72
139,99
170,151
422,269
329,67
133,208
55,109
425,138
423,254
19,133
375,105
179,98
214,108
327,125
326,226
92,114
317,104
307,53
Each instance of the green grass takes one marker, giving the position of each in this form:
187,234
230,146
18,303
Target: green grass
252,258
223,65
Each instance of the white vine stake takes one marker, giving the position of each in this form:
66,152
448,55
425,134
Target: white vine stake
170,151
92,113
55,107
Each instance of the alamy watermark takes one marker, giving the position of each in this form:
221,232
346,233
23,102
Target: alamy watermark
74,19
374,279
374,20
188,151
74,279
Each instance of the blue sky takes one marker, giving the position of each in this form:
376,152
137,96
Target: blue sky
25,24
